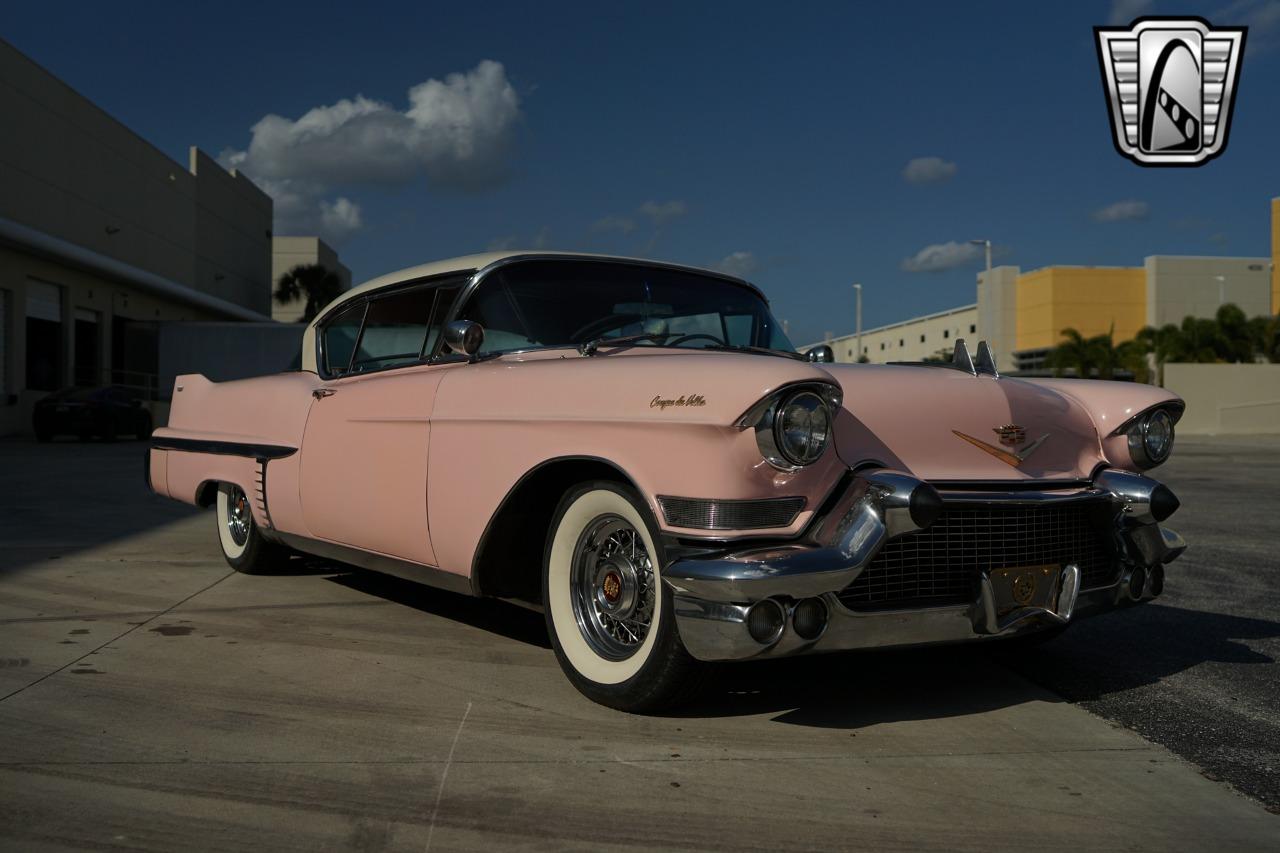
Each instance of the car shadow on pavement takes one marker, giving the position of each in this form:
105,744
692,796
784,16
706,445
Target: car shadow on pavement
1137,647
499,617
852,690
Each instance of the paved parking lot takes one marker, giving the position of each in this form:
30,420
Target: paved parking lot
154,700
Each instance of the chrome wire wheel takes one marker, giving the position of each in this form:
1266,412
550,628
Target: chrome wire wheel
612,587
239,517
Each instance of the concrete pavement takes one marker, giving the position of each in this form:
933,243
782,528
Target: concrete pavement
154,700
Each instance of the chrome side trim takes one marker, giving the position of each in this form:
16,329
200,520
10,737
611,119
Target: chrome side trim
382,563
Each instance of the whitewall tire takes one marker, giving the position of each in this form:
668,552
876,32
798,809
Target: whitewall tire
607,611
243,545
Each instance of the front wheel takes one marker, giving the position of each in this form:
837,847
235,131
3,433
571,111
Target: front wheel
609,616
243,545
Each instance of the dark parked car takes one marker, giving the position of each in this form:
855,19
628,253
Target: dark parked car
85,412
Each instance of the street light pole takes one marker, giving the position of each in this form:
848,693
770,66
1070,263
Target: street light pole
857,352
987,245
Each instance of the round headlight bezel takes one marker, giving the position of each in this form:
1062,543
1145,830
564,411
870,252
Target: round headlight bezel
1141,448
778,447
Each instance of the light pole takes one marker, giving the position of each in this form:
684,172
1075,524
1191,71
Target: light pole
857,351
987,244
1222,288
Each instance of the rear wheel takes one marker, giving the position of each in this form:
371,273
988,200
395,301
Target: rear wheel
243,545
609,616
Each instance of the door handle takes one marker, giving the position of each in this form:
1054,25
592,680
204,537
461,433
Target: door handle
321,393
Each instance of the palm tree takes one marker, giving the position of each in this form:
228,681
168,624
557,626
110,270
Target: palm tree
1074,351
315,283
1162,343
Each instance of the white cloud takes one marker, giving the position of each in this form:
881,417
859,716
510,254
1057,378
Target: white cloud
663,212
928,170
942,256
623,224
1262,17
516,241
455,133
1124,11
738,264
1122,211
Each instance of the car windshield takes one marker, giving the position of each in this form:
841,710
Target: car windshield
537,304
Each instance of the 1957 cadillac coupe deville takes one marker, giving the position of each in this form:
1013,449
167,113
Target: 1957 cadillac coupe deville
637,449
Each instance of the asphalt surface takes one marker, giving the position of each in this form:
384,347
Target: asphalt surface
1196,670
150,699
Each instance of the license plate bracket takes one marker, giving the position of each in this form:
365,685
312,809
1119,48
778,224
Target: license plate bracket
1025,586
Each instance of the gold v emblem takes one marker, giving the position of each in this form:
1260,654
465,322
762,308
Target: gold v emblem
1008,456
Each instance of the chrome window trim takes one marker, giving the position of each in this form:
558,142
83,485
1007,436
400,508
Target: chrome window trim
479,276
460,277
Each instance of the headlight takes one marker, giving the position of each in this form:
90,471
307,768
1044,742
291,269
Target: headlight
1151,438
794,429
802,428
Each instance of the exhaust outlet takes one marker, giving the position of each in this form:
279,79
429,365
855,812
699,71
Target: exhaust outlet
1155,583
1137,583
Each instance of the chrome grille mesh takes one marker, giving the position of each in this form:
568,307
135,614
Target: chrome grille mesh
941,565
702,514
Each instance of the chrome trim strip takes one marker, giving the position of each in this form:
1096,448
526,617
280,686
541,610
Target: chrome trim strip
1176,409
382,563
223,448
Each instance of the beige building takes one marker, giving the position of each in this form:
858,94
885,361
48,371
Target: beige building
103,237
289,252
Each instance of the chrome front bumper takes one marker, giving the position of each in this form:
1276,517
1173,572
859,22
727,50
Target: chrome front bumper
714,596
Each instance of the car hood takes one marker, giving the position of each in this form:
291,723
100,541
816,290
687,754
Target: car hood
926,420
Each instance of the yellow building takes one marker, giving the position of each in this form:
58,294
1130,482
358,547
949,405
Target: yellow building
1022,315
1091,300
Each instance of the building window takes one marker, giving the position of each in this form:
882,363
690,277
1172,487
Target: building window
922,339
88,348
901,343
4,344
882,345
972,328
946,333
850,354
44,336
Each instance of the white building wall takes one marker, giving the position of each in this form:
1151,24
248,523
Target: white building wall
998,313
289,252
911,340
1179,287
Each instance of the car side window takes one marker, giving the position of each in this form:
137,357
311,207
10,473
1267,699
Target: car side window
338,339
395,330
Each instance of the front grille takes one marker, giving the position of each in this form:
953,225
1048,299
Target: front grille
942,565
702,514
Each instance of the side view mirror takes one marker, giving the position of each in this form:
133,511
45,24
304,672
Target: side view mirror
464,336
821,353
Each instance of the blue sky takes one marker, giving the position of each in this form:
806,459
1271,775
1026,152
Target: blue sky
773,138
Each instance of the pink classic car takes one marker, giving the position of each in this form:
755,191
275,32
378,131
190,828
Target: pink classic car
637,449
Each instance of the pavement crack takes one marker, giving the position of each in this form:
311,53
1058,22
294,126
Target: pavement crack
444,775
119,636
